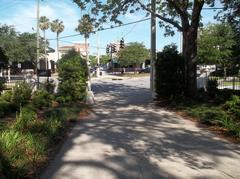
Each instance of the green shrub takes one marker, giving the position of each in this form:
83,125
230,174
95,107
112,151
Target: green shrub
7,96
233,106
212,87
21,93
209,115
72,76
2,84
6,107
231,125
22,150
63,99
49,86
24,118
169,72
42,98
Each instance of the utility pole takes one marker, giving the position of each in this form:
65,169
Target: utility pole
87,61
90,95
37,61
153,46
98,58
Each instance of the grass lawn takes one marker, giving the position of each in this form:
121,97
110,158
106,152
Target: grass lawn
228,83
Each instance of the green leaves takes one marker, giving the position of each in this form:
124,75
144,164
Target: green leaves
44,23
57,26
85,26
215,43
133,54
17,47
72,75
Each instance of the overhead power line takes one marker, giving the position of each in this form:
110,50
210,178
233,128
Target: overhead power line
212,8
107,28
126,24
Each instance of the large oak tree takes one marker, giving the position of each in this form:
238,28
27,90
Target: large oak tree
184,15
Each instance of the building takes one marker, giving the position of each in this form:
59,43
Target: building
78,47
52,57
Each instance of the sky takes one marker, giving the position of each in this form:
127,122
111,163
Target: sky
22,15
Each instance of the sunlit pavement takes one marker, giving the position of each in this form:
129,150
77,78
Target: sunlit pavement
128,138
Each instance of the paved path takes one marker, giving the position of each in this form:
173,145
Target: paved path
128,138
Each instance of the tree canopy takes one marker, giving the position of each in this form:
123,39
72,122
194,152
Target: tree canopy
215,44
133,54
57,26
18,47
231,15
171,13
104,59
85,26
184,15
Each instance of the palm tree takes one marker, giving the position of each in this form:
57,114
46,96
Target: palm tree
44,25
58,27
85,28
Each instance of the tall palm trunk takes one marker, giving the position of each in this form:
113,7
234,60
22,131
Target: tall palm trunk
57,46
87,56
45,48
45,51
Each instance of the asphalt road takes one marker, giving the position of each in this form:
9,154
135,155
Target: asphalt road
127,137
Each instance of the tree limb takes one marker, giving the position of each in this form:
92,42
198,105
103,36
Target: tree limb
170,21
182,12
197,7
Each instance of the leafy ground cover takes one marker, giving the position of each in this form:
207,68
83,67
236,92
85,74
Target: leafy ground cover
33,123
222,110
27,141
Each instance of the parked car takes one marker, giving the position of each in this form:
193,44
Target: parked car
145,70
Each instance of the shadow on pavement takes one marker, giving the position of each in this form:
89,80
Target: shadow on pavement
128,139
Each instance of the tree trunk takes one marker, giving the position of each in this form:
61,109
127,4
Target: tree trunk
45,49
190,55
225,72
57,47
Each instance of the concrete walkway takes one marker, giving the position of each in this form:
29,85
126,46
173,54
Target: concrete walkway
128,138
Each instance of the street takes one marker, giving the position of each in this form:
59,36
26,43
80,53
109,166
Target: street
127,137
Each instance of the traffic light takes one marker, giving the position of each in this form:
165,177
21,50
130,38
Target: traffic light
107,49
122,43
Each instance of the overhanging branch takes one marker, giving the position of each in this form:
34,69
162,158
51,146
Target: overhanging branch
170,21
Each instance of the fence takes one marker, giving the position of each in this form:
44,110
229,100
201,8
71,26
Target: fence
14,79
232,82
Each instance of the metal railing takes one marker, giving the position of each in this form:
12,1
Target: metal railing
230,82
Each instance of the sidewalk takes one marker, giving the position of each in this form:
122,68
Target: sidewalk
128,138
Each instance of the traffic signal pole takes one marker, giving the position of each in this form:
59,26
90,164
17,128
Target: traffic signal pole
153,47
111,56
